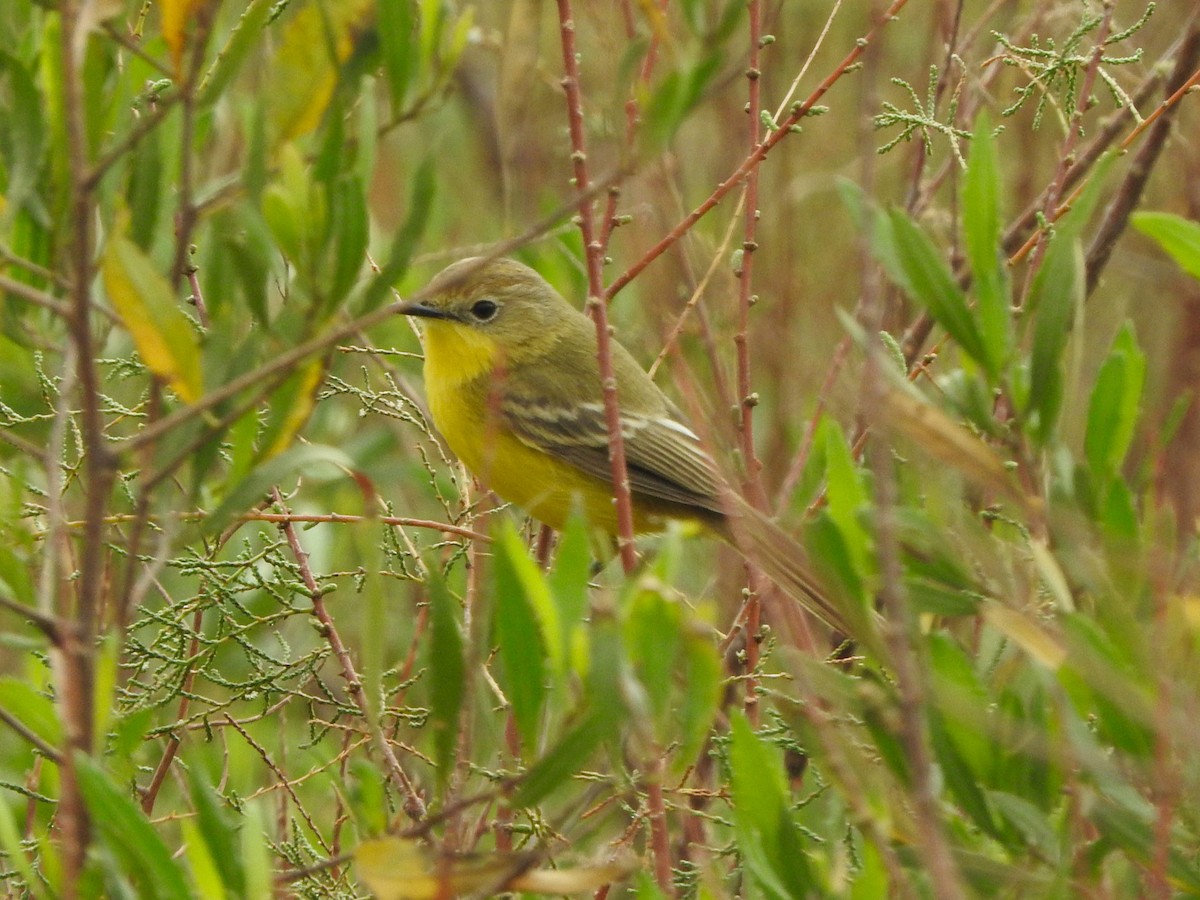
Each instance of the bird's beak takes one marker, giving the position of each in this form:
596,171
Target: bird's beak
424,311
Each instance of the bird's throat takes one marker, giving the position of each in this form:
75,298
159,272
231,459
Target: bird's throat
456,355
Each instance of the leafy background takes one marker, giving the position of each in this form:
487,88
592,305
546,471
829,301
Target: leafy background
263,636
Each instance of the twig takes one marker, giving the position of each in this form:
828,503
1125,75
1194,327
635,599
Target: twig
594,251
414,806
746,399
26,448
185,693
632,109
1116,216
186,217
44,623
33,295
284,781
74,671
132,138
799,111
657,813
32,737
1162,108
718,257
314,518
918,332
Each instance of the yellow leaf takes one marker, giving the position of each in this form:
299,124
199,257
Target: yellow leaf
162,334
1025,633
299,393
399,869
571,881
941,437
1052,575
1191,611
175,16
315,43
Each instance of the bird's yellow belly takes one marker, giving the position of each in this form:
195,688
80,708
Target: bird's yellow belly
544,487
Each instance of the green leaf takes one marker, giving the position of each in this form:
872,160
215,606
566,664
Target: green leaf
145,191
961,779
237,269
366,133
569,586
567,757
767,837
1131,827
1107,685
871,880
1056,294
1031,823
311,49
831,557
295,209
1114,406
104,682
961,702
245,37
699,701
397,26
15,578
368,800
31,709
982,218
847,500
930,596
408,237
674,97
10,844
23,139
255,859
201,863
164,337
925,277
653,636
1179,237
216,827
519,589
289,407
447,673
349,230
124,831
1120,515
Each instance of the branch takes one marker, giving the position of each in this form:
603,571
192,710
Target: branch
414,806
596,306
799,111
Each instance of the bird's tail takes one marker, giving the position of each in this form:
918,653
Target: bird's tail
780,558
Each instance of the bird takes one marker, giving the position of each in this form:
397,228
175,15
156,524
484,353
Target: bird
513,385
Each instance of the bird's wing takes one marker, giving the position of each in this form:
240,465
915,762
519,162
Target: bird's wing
664,458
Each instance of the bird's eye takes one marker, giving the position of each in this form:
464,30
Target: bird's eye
484,310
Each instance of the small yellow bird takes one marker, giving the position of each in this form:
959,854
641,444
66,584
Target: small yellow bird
513,383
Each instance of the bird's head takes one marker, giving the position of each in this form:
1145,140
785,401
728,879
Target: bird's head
497,307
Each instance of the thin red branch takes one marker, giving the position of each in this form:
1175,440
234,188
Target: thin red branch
74,664
596,307
185,695
659,839
799,111
414,806
747,400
